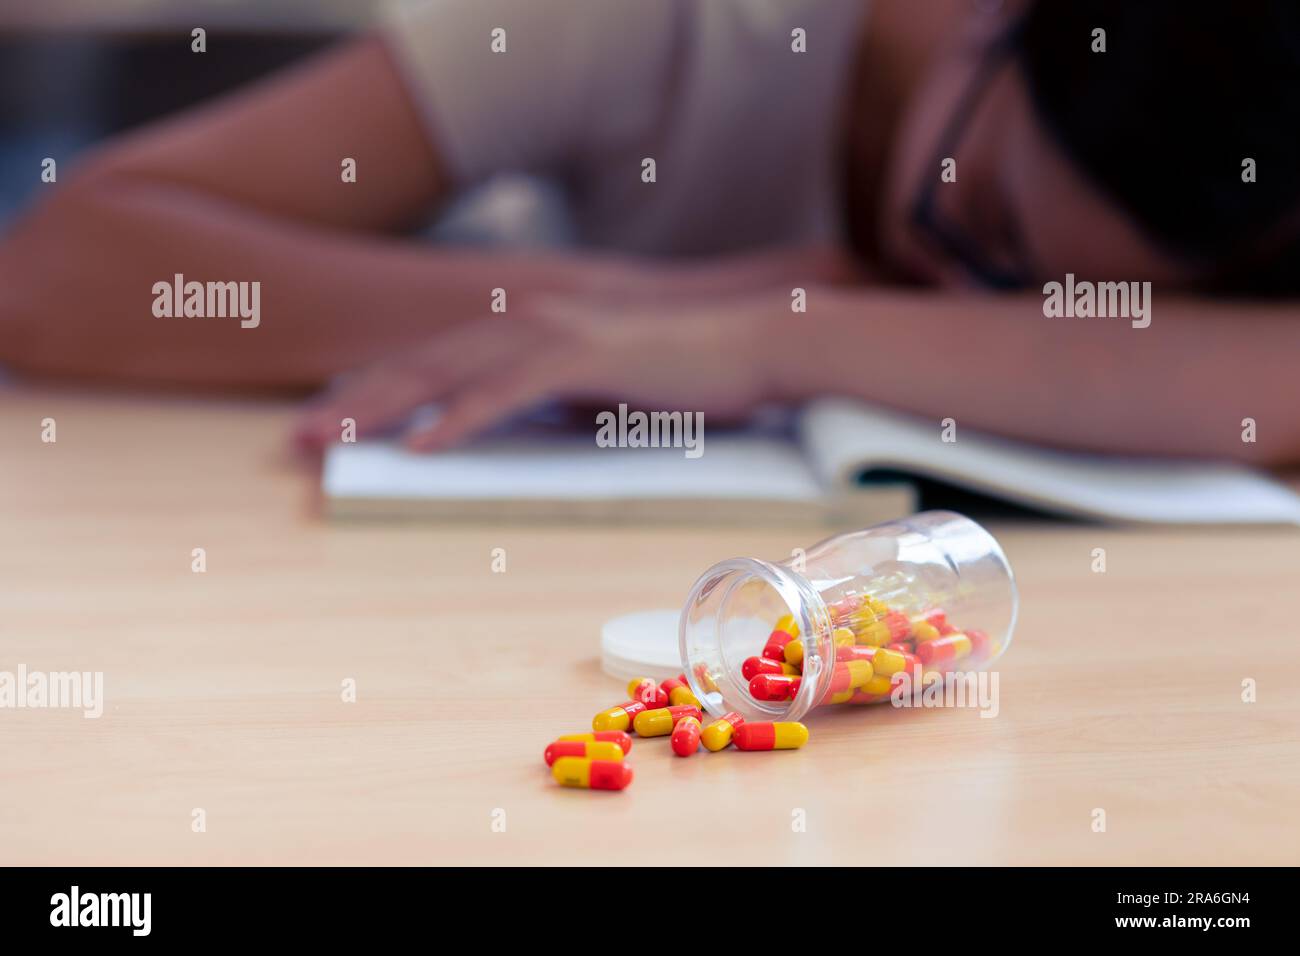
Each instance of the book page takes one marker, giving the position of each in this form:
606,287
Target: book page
730,468
844,439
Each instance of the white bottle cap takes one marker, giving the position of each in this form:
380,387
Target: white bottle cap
641,644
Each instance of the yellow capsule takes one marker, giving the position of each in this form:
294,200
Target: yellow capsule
878,685
616,718
843,637
788,624
843,697
876,634
888,662
790,670
859,672
660,722
790,735
718,734
925,631
572,772
793,654
682,695
869,610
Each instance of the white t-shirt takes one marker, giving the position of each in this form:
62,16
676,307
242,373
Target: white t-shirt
741,127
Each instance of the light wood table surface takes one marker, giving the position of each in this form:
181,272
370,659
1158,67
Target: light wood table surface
1122,690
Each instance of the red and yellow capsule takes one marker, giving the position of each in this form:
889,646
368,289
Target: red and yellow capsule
951,648
705,679
686,736
859,671
875,634
845,608
860,652
925,631
623,739
753,666
980,644
787,623
618,718
888,661
595,749
774,649
936,617
781,735
899,625
660,723
718,734
679,692
891,628
774,686
646,690
591,774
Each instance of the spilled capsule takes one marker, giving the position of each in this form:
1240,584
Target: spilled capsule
718,734
591,774
622,738
618,718
686,736
594,749
781,735
660,723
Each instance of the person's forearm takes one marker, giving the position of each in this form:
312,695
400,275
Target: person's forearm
1178,387
76,281
77,278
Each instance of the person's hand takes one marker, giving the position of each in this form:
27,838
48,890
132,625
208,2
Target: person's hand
714,357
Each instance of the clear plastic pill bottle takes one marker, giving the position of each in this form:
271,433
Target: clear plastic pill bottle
916,599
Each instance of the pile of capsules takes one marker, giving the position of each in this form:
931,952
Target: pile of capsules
874,646
668,709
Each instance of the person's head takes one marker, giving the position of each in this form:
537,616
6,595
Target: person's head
1112,139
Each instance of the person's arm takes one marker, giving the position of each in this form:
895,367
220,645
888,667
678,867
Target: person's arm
1178,387
994,363
249,189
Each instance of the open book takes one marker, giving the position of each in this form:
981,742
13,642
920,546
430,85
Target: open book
838,461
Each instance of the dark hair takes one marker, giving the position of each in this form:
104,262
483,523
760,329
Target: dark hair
1163,119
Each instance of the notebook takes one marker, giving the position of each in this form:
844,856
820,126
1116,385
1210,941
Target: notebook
836,461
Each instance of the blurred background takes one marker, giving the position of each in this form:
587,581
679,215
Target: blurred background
74,71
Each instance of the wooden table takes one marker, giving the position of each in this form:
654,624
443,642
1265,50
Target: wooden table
1122,690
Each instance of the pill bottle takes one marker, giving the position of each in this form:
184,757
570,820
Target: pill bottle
879,595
